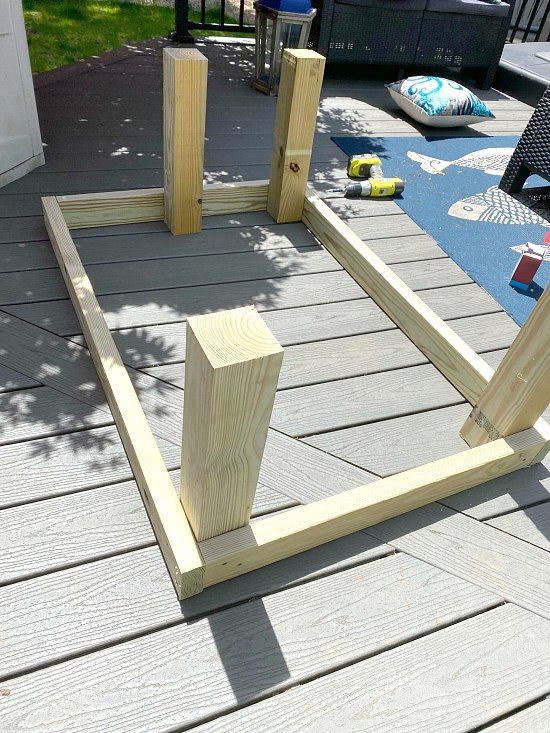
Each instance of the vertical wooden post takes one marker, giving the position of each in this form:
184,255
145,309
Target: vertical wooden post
231,372
185,79
299,91
519,390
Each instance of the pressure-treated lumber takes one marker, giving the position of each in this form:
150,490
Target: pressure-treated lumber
444,348
232,368
170,524
274,538
130,207
184,93
519,391
299,90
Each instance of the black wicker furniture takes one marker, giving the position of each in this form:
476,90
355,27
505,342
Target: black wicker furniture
368,31
532,153
466,33
428,33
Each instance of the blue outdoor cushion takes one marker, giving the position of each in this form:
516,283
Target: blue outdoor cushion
438,102
469,7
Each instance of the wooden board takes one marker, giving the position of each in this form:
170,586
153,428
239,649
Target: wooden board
345,357
11,380
324,407
137,612
519,391
41,412
421,601
400,443
531,525
185,75
175,304
152,345
496,652
170,524
273,538
460,364
68,463
65,531
533,719
474,551
35,285
233,363
104,247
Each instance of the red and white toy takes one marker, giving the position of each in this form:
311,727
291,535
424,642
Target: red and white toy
528,264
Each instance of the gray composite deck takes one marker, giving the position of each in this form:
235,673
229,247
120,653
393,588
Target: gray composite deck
438,620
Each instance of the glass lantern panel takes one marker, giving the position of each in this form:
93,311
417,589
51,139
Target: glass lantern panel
278,36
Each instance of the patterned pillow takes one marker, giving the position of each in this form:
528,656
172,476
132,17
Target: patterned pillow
438,102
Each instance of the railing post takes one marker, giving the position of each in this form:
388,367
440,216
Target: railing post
519,390
231,372
299,91
181,34
185,79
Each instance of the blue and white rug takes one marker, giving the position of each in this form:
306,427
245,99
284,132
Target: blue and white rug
452,193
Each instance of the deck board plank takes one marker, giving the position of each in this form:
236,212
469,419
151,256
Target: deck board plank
351,356
177,303
81,524
78,528
438,688
531,525
284,631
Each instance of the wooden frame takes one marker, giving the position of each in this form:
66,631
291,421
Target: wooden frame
211,554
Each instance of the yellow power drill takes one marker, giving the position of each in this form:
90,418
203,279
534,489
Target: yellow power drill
369,167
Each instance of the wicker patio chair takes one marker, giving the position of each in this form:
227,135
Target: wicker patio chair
532,153
368,31
466,33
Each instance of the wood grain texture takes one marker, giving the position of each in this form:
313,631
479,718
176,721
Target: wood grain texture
185,74
176,304
452,356
319,408
284,633
273,538
474,551
299,89
353,356
110,208
496,653
519,391
62,464
397,444
11,380
156,344
144,600
108,278
232,367
80,527
165,511
531,525
40,412
533,719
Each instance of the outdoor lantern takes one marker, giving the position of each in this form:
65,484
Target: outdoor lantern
280,24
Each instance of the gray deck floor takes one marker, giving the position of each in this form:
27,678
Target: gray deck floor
438,620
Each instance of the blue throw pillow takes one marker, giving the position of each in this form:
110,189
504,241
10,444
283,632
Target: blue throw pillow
438,102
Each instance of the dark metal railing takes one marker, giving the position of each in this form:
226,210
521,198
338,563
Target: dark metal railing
530,21
217,19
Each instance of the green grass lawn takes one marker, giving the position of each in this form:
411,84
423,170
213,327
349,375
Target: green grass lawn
63,31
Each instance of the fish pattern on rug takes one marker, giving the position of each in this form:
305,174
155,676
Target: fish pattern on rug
492,161
496,207
451,193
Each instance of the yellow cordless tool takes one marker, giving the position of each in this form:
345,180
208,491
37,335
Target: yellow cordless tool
369,168
361,166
